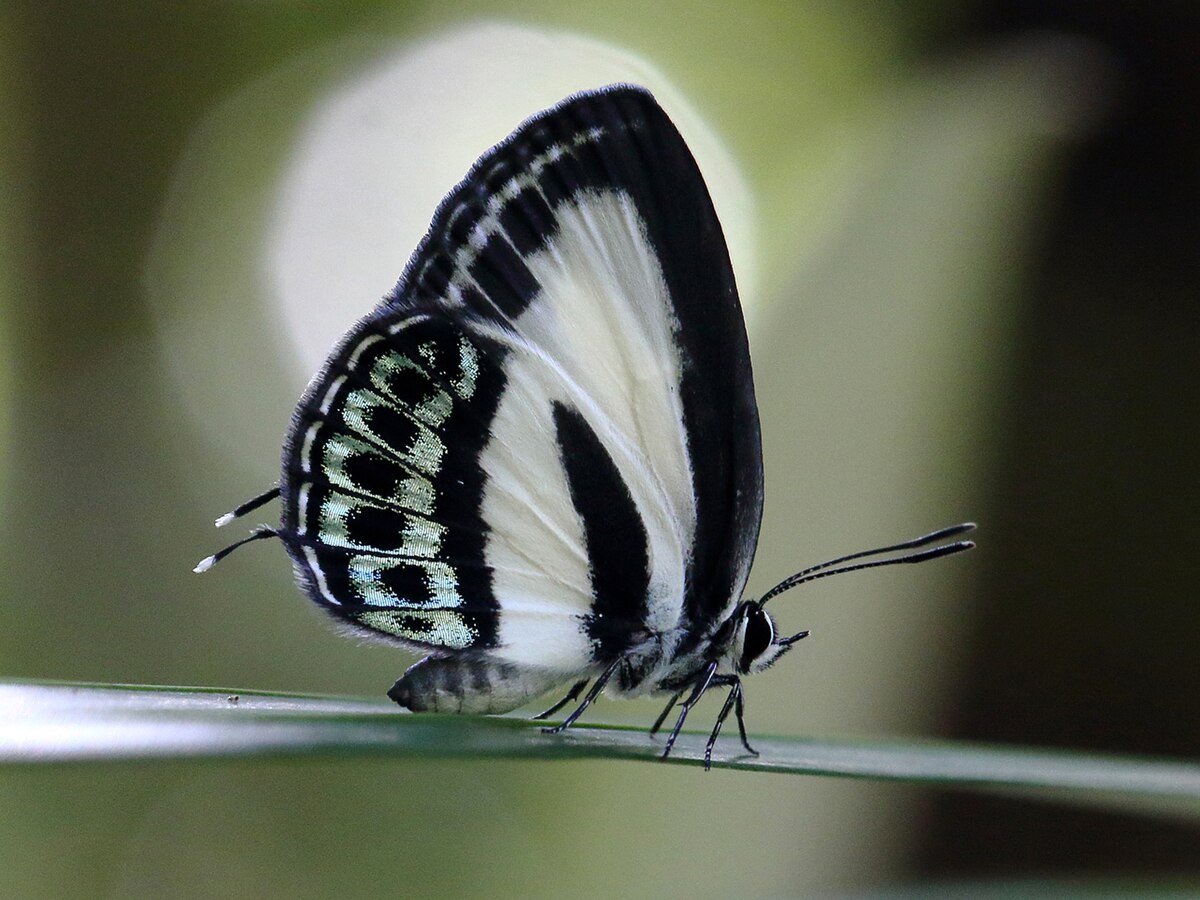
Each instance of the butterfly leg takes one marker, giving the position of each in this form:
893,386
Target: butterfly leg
703,681
574,692
737,698
597,687
732,702
662,716
740,710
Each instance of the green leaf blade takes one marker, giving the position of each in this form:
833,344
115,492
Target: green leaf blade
43,722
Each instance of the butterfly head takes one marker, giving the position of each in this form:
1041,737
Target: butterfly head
756,643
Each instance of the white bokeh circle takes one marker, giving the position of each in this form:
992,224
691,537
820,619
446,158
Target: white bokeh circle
299,200
378,153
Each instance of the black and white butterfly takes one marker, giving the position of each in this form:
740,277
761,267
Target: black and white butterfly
538,459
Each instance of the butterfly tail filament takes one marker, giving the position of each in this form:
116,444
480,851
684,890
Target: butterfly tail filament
249,506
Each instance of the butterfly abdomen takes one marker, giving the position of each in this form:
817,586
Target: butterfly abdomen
473,685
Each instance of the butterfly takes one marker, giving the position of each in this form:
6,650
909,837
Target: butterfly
537,460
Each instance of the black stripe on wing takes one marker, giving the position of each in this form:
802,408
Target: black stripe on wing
614,535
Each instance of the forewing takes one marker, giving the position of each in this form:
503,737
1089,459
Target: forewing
599,481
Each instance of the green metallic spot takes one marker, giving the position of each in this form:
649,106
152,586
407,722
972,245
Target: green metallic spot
443,581
440,627
388,364
422,537
366,575
435,409
337,450
334,522
426,452
416,493
357,409
428,351
468,363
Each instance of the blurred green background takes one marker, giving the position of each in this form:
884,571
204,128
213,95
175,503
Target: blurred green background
966,235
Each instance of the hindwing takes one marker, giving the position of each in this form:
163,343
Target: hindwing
384,484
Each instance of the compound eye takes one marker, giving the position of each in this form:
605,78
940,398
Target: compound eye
760,633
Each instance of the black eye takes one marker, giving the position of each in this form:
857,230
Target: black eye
759,634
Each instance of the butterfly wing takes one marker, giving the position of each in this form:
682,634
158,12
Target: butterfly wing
543,446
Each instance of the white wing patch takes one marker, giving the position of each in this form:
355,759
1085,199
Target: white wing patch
598,337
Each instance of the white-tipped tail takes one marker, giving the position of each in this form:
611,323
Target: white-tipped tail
225,519
205,564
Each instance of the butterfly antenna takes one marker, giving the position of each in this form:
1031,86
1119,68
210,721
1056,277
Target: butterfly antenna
249,506
257,535
831,567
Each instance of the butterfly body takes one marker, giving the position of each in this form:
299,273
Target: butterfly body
538,460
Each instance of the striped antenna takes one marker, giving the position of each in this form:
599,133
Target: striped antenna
825,569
